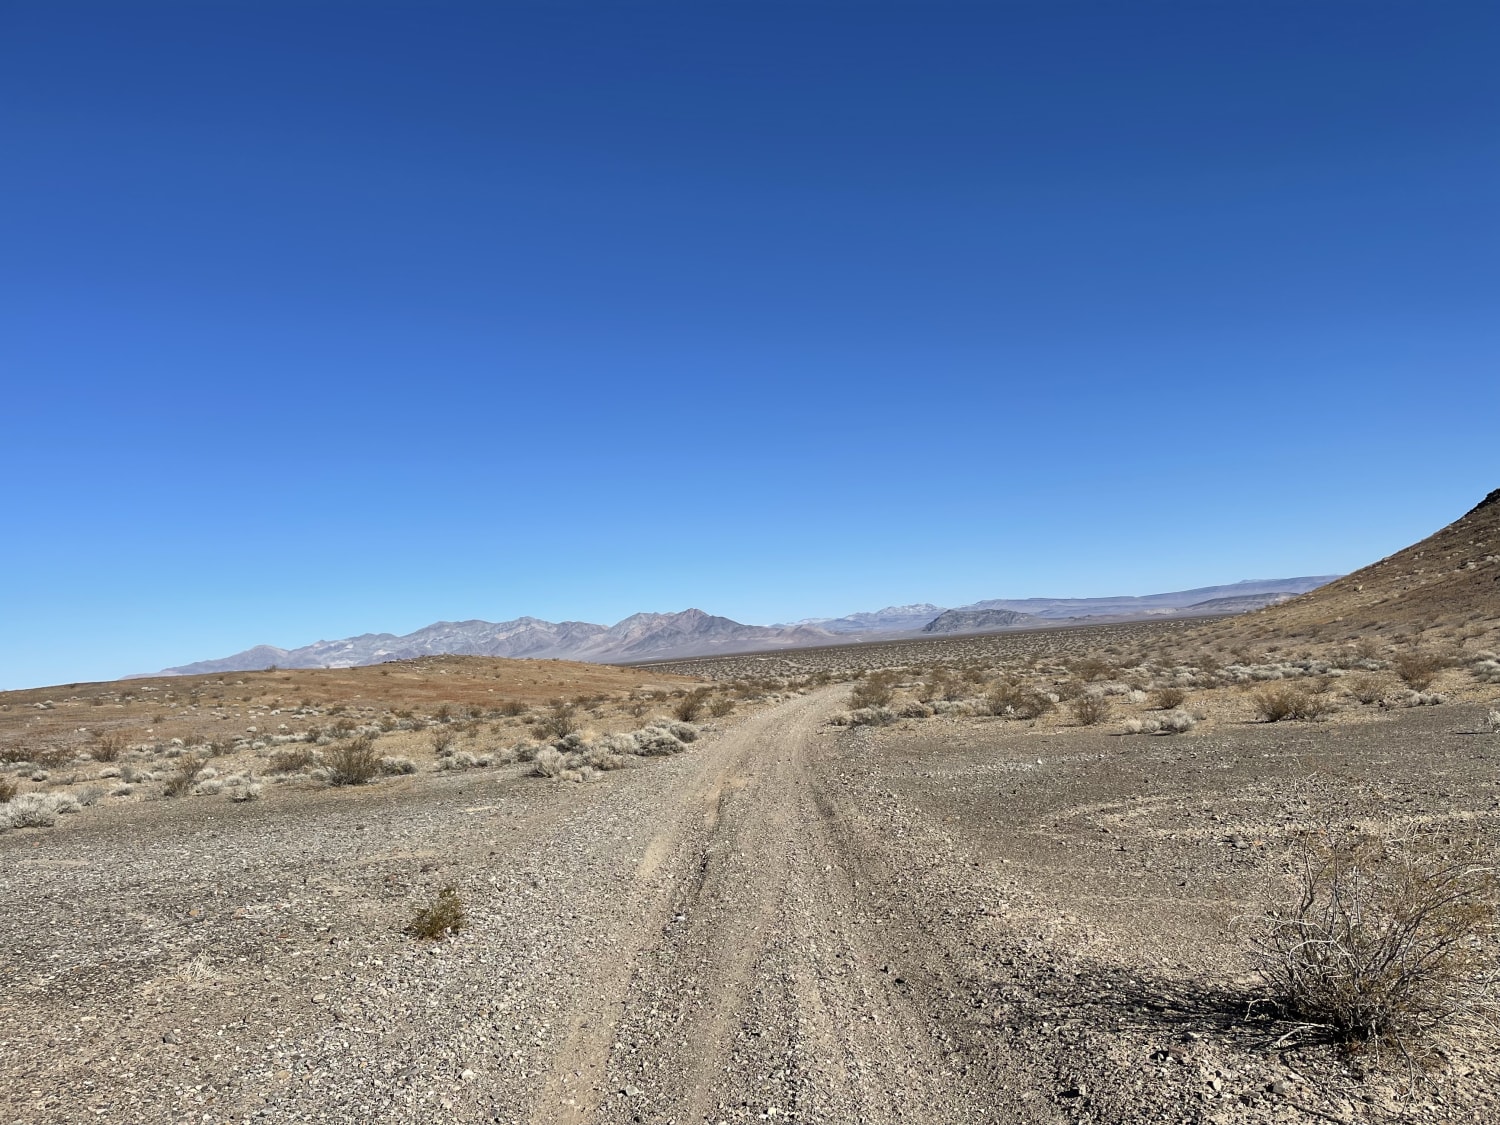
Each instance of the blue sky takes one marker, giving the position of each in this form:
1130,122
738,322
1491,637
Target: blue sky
325,318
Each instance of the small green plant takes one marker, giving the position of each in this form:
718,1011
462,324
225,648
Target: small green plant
444,916
352,763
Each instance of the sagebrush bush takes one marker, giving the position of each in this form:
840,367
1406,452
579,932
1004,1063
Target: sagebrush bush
1380,940
871,717
446,915
1090,709
352,763
36,810
549,761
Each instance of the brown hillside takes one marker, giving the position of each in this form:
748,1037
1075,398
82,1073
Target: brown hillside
1447,587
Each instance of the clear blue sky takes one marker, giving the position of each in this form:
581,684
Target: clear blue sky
325,318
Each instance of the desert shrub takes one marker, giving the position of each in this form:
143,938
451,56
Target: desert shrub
1491,725
1014,700
442,740
1168,698
108,746
691,705
871,717
875,690
250,791
445,915
1091,668
512,708
1284,701
1369,688
393,767
352,763
8,789
1380,940
683,732
1418,668
559,720
549,762
915,709
444,713
182,781
1177,722
720,706
658,742
290,761
36,810
1089,709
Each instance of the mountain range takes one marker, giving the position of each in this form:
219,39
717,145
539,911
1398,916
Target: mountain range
644,637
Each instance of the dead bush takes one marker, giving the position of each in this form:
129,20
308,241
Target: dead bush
720,706
1380,940
513,708
1091,668
446,915
1418,668
1168,698
352,763
108,746
1089,709
1284,701
290,761
1369,689
442,740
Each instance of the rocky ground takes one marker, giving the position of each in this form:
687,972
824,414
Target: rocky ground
954,918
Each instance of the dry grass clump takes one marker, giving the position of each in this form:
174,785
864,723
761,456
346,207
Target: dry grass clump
1273,704
1382,941
1089,709
446,915
352,763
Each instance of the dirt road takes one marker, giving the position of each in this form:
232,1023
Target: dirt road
697,939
